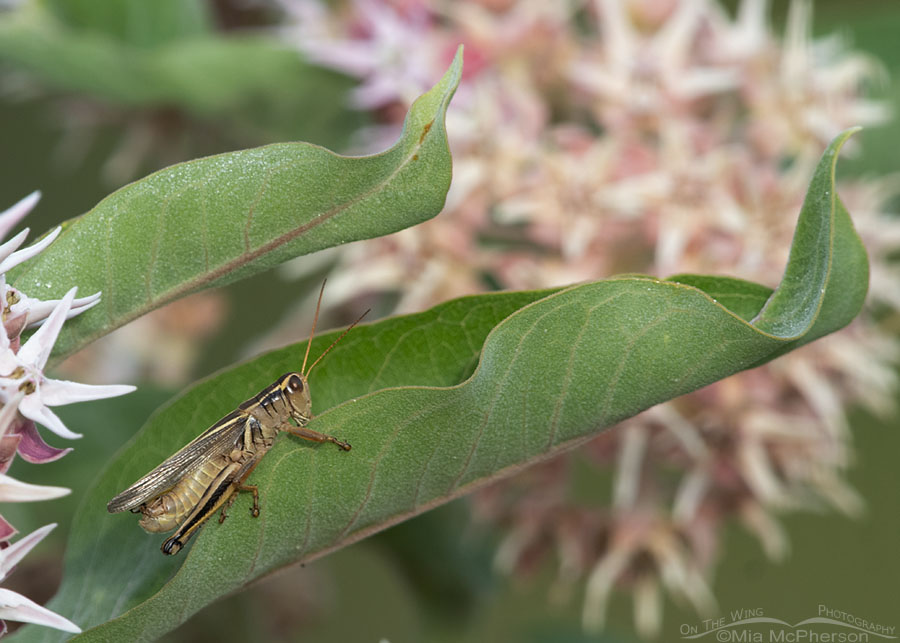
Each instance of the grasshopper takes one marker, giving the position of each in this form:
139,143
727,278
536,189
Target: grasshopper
205,476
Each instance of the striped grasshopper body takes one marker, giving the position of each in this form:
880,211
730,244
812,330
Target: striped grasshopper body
205,476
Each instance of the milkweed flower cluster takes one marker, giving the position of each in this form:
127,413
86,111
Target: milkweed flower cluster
26,395
596,137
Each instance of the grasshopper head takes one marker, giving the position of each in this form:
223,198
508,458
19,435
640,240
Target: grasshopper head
296,391
294,385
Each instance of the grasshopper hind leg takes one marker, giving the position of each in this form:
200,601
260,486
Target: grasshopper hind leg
216,496
172,546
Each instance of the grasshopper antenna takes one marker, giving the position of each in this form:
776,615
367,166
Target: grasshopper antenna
325,352
303,370
313,331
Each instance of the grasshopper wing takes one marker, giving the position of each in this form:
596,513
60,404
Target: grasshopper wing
219,439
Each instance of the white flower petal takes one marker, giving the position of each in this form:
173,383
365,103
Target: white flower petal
599,585
10,217
9,410
33,408
37,349
24,255
12,490
771,534
690,494
59,392
39,310
8,359
10,556
9,385
631,462
12,245
15,607
647,607
619,38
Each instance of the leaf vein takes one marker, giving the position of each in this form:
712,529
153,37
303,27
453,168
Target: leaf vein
154,245
204,210
259,195
110,293
497,392
620,368
421,479
309,511
484,422
384,449
567,380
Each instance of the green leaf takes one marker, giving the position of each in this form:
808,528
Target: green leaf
135,22
215,220
164,58
139,54
439,403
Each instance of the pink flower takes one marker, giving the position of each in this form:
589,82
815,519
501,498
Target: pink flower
15,607
26,395
614,136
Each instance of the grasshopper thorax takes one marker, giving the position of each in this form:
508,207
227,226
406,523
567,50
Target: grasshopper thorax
295,390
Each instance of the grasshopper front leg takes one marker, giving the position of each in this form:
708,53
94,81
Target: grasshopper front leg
315,436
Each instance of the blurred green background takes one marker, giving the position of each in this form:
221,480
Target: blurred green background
429,579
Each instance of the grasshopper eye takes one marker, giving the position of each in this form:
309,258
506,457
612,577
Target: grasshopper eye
295,384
